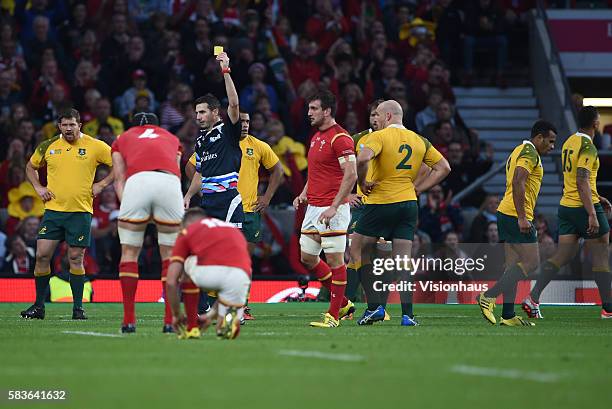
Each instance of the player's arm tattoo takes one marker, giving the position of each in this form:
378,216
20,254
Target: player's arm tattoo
582,173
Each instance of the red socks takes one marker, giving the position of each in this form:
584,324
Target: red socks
327,276
191,296
128,276
167,310
338,285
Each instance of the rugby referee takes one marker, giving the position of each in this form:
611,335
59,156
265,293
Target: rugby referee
71,159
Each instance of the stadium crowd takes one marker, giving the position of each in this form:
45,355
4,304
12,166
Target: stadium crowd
111,59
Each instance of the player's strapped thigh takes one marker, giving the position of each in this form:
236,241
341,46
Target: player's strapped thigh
310,244
575,221
131,234
509,231
138,197
167,207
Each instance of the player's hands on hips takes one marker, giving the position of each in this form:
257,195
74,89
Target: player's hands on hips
606,205
366,187
593,224
327,215
261,204
223,60
524,225
301,199
187,201
96,189
44,193
355,200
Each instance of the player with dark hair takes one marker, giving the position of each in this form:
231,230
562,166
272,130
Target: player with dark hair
396,155
71,159
146,162
582,214
201,251
216,161
515,213
331,177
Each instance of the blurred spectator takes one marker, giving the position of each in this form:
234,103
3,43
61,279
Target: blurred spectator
484,29
449,29
41,41
303,65
437,77
439,216
417,68
115,43
2,250
548,246
211,80
126,102
23,202
105,134
104,231
492,252
257,126
102,114
91,97
28,230
171,115
257,87
541,225
428,115
141,11
85,79
72,30
466,170
15,157
8,94
327,24
389,71
54,11
20,259
445,113
487,214
198,47
49,76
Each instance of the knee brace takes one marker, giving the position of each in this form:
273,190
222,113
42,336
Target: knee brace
333,244
166,239
310,246
130,237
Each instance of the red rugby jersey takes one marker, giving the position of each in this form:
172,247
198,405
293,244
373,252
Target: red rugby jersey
324,172
215,243
148,147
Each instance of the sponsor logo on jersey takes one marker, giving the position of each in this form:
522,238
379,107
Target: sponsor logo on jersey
215,138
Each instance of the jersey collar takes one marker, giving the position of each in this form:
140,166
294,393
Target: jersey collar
80,135
399,126
529,142
583,134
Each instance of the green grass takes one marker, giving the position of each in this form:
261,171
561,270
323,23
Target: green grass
564,362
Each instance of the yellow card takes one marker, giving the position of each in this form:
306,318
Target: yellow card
218,50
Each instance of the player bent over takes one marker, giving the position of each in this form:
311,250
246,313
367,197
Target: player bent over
331,177
214,256
582,213
147,180
524,173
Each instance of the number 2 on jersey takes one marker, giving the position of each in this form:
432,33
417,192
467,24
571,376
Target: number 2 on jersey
404,162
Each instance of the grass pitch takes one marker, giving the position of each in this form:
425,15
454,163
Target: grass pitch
453,360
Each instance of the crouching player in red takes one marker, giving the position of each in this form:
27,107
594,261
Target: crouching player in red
214,256
147,182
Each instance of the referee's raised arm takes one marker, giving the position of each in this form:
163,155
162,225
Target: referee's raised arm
233,108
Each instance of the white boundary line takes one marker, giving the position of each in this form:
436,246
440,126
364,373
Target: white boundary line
93,334
545,377
321,355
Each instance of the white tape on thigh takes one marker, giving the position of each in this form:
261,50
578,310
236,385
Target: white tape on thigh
333,244
131,238
166,239
310,246
384,245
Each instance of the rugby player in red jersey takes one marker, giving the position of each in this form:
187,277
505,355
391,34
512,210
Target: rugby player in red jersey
331,176
147,181
203,251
